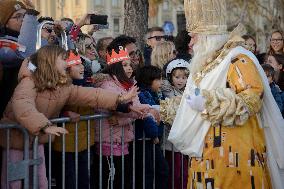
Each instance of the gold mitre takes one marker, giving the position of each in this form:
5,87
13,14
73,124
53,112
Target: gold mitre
206,16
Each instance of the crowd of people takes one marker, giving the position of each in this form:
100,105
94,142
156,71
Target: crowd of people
106,75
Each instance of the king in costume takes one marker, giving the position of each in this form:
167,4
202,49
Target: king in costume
227,121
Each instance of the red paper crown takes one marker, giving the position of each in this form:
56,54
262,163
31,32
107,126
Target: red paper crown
121,56
73,59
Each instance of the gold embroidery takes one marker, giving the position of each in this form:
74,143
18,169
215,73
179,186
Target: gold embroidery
252,101
168,109
224,107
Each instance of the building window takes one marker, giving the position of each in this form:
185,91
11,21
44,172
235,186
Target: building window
98,2
116,25
181,22
166,5
115,3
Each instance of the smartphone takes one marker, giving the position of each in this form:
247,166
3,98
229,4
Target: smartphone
103,26
98,19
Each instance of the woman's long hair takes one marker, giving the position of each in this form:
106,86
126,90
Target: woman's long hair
117,70
162,53
81,43
46,76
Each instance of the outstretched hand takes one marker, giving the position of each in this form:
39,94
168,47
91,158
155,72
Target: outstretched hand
86,19
29,4
156,114
74,117
54,130
141,110
130,95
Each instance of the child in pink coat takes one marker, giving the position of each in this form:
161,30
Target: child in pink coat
117,78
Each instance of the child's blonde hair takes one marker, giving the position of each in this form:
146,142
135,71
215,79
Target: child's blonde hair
46,76
162,53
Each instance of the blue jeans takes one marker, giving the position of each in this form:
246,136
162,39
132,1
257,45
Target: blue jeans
161,166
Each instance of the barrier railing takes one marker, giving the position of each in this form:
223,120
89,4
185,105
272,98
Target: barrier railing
19,169
23,171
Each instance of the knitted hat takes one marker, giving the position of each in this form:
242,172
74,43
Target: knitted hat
7,8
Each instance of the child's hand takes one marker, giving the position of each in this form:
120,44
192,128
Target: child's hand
85,20
112,121
156,140
270,79
156,115
141,110
130,95
29,4
54,130
73,116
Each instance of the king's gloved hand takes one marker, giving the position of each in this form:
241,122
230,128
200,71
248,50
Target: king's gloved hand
196,102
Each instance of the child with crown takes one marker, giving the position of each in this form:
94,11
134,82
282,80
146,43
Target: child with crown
117,78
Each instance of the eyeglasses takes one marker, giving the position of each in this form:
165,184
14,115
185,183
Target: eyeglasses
49,30
158,38
276,40
132,54
18,17
90,46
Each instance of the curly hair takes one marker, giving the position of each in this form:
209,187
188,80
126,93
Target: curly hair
46,76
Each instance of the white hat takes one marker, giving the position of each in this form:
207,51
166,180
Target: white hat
177,63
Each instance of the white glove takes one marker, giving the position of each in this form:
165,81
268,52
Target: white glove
95,66
196,102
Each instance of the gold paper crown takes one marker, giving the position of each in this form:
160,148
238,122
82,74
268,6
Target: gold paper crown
206,16
114,57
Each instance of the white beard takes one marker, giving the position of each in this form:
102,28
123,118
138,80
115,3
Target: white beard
204,49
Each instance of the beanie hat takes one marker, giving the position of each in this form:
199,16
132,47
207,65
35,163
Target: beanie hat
7,8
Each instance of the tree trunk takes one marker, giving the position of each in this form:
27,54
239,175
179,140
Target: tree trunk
136,20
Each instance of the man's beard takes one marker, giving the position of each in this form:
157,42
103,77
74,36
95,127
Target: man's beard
204,49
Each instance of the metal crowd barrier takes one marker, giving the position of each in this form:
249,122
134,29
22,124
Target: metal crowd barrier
22,168
19,170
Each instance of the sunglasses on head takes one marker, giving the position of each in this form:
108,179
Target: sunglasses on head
158,38
49,30
90,46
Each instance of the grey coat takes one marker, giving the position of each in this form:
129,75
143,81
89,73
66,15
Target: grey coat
169,91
